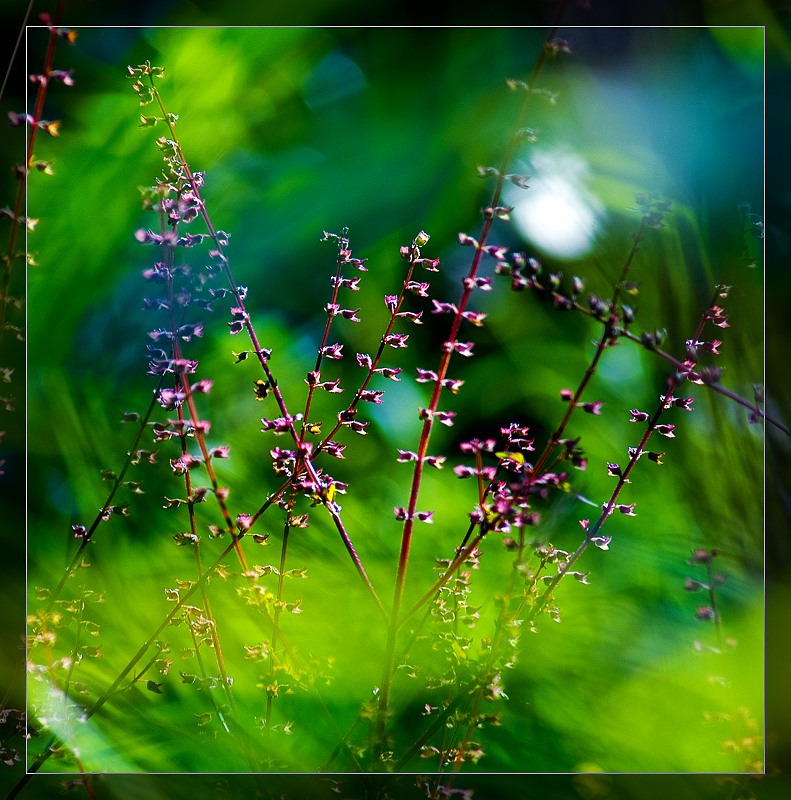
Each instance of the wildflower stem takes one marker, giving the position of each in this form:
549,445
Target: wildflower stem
672,383
376,359
715,386
260,352
24,171
601,346
428,422
88,535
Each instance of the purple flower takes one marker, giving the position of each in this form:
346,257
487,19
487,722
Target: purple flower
498,252
332,387
332,448
170,398
478,283
406,455
396,340
716,317
464,348
467,241
429,264
478,446
147,236
158,274
682,402
204,386
160,335
425,375
333,351
240,317
187,332
638,416
476,516
389,372
369,396
364,360
445,417
353,284
191,239
417,288
451,385
443,308
475,318
414,316
516,433
666,430
279,425
350,314
357,427
401,514
282,460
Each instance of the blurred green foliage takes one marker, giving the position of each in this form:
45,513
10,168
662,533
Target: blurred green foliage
303,130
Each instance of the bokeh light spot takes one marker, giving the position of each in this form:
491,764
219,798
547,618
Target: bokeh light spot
557,213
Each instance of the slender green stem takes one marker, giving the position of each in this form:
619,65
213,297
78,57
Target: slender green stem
278,607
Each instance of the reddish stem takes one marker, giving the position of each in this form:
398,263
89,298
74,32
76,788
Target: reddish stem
428,422
38,109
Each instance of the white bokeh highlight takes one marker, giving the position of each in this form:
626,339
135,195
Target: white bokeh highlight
557,214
